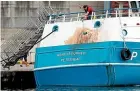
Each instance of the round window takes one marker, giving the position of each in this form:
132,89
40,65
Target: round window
124,32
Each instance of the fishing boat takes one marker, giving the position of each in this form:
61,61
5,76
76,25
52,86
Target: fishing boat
101,51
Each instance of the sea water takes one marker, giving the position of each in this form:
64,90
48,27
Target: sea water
136,88
67,88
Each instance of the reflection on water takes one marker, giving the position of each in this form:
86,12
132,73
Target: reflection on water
62,88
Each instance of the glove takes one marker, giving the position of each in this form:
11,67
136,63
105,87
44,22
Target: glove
85,17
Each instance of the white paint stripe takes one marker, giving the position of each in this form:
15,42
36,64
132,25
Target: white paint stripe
131,38
90,64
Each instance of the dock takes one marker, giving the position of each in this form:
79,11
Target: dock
18,77
17,67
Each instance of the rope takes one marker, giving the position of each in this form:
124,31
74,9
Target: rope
80,36
124,43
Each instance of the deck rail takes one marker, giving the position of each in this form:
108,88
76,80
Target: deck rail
78,16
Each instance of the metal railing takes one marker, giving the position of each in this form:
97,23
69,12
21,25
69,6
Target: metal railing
125,12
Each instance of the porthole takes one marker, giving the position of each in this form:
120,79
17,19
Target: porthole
124,32
97,24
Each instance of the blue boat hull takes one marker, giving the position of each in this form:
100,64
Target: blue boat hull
90,76
100,66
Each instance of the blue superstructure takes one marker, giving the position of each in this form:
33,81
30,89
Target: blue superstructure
92,64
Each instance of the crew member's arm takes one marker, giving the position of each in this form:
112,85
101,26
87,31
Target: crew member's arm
87,14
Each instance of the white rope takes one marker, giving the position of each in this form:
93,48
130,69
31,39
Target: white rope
124,43
80,37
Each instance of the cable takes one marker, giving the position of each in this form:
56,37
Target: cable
124,43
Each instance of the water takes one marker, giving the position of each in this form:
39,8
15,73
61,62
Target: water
88,89
66,88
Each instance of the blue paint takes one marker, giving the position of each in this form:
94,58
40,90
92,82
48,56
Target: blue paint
55,28
97,24
127,75
93,75
73,76
93,53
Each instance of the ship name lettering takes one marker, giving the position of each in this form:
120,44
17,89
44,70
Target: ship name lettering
69,59
71,54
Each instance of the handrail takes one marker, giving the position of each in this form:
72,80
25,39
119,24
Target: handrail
76,16
95,11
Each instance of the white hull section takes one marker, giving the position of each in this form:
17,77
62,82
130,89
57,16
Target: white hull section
110,30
